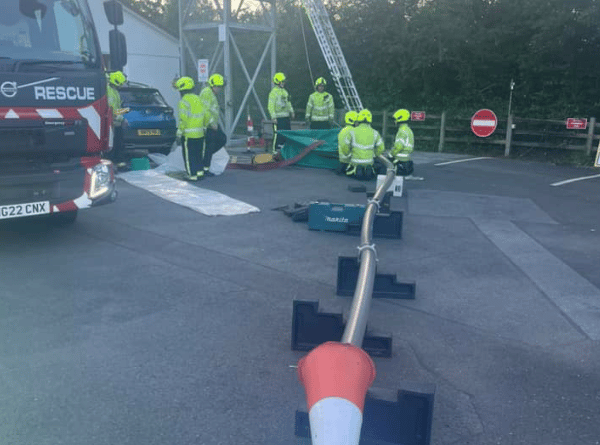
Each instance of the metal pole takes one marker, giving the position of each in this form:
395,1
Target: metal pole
227,69
512,86
274,42
590,137
361,302
442,132
181,47
508,141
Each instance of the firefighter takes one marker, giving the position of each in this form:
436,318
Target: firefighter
193,119
401,152
280,109
214,138
320,107
365,144
115,81
344,149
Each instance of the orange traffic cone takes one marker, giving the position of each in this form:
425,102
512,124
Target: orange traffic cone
336,377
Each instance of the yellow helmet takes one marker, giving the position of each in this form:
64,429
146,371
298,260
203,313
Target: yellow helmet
184,83
350,117
117,78
364,116
278,78
216,80
401,115
320,81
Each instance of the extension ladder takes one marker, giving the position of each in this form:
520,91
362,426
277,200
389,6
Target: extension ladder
332,52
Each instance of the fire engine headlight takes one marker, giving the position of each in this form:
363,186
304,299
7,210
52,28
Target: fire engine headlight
100,180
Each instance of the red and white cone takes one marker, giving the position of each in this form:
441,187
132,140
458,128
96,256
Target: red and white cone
336,377
250,126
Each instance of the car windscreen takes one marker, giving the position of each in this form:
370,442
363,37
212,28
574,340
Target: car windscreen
34,33
142,97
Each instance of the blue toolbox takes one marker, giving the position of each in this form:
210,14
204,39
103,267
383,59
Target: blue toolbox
335,217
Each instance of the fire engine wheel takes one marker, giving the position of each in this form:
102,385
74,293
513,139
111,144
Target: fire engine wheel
64,218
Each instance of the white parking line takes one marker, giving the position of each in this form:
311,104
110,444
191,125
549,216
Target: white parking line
568,181
462,160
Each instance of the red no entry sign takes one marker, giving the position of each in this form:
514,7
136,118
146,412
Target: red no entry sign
483,123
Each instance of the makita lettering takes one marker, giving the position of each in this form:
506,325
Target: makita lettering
64,93
336,220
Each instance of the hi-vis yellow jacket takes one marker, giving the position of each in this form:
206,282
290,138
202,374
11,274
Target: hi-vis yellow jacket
343,150
279,103
193,118
114,102
211,104
403,144
320,107
363,144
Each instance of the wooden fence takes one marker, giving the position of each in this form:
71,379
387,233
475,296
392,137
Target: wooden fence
443,133
446,133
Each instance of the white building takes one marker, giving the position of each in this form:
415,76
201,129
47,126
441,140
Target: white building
152,53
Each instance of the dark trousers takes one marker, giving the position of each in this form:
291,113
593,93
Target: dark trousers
283,123
364,172
405,168
193,155
213,141
320,125
117,153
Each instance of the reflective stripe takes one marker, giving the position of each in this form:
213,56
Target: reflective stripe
186,158
360,146
363,147
335,421
404,140
362,161
193,130
191,115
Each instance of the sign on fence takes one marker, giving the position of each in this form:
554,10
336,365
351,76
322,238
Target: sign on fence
202,70
576,124
417,116
484,122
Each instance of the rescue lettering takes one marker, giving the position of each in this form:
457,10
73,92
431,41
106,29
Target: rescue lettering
64,93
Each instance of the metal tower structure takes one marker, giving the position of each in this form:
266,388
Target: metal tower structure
333,54
224,33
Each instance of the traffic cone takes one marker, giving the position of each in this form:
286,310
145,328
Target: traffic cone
250,127
336,377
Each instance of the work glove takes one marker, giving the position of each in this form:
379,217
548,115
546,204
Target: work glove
351,170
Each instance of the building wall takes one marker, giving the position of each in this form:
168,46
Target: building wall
152,54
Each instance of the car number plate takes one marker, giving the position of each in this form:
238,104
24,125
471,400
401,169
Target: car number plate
148,132
27,209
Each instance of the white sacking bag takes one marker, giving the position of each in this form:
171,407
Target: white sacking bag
175,160
219,162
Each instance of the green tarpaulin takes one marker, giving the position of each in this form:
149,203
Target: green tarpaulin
324,156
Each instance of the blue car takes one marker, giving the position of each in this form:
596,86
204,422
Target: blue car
149,123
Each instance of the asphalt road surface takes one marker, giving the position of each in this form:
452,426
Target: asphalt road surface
147,323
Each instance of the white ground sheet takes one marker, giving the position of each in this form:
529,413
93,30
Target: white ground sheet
201,200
